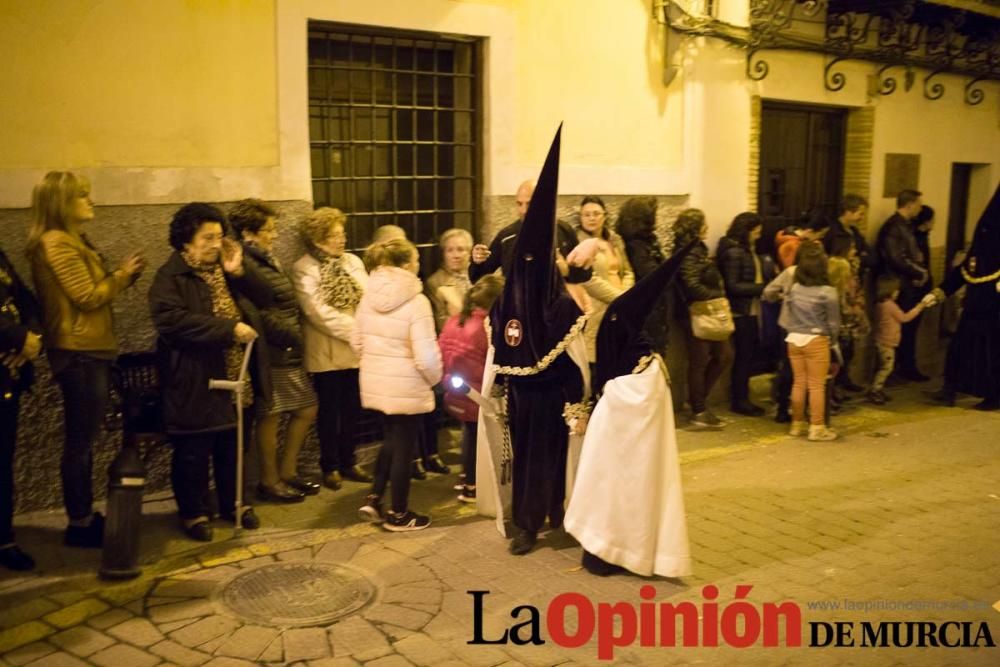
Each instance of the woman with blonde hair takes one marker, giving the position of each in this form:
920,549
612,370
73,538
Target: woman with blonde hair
395,340
75,290
447,286
329,283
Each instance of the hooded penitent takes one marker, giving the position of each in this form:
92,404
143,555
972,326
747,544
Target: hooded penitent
629,456
535,338
621,343
973,363
535,316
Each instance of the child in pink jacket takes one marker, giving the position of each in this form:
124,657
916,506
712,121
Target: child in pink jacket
889,318
464,346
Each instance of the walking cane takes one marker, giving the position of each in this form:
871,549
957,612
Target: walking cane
236,386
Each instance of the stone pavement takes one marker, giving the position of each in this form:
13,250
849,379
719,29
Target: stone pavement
904,508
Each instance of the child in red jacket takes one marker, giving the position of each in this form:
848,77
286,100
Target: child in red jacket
464,344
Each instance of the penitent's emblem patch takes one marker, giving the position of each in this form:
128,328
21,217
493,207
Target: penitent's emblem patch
512,333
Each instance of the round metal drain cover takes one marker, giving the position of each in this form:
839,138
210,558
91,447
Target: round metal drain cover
296,594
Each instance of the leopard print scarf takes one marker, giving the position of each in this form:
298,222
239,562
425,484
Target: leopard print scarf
337,287
223,306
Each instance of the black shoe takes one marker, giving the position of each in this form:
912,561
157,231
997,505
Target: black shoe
332,480
943,397
523,542
461,482
12,558
876,397
746,408
706,420
913,375
281,493
200,531
406,522
248,520
305,486
847,385
90,536
783,417
356,473
987,404
435,464
468,494
418,473
372,509
599,566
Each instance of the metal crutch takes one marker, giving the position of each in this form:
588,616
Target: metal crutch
236,386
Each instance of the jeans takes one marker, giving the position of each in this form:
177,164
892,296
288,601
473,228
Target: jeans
8,440
84,382
706,359
810,365
189,472
338,415
395,457
746,340
469,439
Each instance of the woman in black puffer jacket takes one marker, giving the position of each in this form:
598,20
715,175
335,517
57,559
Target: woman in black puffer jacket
741,271
700,280
255,222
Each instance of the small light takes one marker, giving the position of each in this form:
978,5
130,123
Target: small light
457,382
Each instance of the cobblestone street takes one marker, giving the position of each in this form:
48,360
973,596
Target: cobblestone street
905,507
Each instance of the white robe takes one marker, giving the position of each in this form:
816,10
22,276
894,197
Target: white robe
492,498
628,505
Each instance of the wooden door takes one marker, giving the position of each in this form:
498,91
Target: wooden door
801,163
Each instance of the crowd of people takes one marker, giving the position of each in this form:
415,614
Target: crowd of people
336,333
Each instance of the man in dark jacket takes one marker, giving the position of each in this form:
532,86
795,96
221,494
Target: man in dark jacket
852,211
501,251
899,257
20,344
202,317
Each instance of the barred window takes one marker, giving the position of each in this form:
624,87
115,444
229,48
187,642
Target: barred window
393,127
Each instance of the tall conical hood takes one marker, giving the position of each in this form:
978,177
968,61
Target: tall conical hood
621,342
983,258
534,316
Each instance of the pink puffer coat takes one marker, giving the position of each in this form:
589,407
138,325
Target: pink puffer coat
395,340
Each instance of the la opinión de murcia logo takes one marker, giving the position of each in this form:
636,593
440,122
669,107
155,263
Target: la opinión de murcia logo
739,624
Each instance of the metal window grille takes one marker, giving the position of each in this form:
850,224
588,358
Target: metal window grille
393,126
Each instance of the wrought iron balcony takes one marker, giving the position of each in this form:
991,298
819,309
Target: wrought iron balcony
960,37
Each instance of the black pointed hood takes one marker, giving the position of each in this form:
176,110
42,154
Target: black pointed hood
534,318
983,258
621,342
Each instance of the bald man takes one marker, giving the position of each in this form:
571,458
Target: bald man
498,255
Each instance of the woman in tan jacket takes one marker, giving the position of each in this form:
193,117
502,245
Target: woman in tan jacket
75,291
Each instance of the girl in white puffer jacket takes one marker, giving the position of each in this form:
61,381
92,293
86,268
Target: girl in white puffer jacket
395,340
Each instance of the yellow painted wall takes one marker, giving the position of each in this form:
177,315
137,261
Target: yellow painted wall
136,83
598,66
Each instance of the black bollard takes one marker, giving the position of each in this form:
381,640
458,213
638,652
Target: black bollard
126,482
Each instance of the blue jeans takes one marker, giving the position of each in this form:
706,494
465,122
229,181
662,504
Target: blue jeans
84,382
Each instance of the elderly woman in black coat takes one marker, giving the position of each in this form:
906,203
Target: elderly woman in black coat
257,225
203,318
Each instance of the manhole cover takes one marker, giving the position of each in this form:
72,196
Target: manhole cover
296,594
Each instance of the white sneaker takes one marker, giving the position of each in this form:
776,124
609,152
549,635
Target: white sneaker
820,433
798,428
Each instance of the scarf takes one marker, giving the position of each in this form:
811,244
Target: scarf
223,306
337,287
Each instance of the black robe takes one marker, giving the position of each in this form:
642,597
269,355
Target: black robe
973,361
